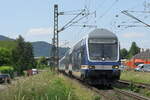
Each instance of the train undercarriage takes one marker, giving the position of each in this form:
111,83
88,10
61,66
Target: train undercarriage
100,77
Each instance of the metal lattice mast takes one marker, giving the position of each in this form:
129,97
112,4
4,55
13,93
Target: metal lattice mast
79,15
55,40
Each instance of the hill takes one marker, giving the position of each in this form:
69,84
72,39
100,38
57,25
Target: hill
5,38
40,48
43,49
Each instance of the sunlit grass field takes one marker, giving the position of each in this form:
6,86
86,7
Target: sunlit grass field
141,77
47,86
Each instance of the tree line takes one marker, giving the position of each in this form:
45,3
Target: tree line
127,54
20,58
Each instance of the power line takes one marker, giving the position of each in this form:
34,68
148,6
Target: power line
126,26
76,21
108,9
55,40
130,15
73,12
70,22
139,11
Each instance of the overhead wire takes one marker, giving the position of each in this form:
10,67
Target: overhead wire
67,24
93,14
108,9
77,21
136,11
130,15
97,6
87,5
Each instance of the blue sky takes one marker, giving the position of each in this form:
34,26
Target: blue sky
33,19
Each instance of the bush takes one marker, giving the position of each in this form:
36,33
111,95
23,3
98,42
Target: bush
97,97
7,70
5,56
47,86
42,66
44,86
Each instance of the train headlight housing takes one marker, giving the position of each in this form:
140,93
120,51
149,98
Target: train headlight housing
115,67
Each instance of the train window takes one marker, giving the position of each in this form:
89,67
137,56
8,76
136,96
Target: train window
98,51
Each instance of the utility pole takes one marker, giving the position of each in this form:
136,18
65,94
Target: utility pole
78,16
55,40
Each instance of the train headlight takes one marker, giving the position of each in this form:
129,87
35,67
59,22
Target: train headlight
115,67
84,67
87,67
91,67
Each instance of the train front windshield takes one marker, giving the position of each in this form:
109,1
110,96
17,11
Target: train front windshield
103,51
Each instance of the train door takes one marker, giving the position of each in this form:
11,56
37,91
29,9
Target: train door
82,56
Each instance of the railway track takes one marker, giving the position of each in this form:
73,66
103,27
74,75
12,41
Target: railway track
96,90
122,94
135,96
139,85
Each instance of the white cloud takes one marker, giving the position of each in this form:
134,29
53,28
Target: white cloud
39,34
133,35
13,35
39,31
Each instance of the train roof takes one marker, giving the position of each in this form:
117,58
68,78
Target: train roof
102,33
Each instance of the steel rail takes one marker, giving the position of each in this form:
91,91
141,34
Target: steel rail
94,89
131,94
140,85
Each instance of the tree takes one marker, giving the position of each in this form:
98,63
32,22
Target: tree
42,62
134,49
29,56
22,56
5,55
124,53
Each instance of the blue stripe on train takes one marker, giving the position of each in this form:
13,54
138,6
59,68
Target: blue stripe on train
103,63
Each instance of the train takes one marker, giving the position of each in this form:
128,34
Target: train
95,59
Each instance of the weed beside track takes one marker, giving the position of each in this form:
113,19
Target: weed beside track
46,86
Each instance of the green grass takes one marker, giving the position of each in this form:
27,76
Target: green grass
47,86
7,44
141,77
80,91
138,77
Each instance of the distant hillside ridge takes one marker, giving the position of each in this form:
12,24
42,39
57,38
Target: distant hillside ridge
40,48
2,38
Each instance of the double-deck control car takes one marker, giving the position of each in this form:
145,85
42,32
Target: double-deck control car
95,58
